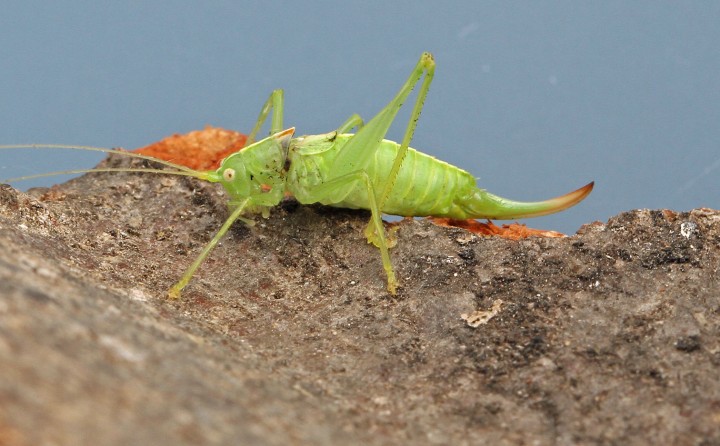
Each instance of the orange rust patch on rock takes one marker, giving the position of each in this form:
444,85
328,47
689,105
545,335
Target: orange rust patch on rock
199,149
513,231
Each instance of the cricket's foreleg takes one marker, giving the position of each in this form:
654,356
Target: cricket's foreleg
276,103
174,292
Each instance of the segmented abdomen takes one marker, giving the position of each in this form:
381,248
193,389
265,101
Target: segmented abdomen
424,185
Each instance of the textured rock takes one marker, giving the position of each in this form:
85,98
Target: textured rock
287,336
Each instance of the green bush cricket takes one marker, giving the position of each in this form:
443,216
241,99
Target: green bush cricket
359,171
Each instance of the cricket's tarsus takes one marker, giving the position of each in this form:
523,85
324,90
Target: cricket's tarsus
360,171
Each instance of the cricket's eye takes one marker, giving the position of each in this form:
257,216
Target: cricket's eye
229,174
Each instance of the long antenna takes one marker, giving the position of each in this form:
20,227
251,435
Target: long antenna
179,169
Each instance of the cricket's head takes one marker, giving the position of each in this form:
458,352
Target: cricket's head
257,171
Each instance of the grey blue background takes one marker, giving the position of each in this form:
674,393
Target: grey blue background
536,98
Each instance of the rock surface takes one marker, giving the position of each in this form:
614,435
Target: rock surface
287,336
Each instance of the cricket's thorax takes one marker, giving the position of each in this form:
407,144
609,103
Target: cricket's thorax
424,185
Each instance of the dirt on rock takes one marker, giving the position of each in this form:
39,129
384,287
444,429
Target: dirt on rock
287,335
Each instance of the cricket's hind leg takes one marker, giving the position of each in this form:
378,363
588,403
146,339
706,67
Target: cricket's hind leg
338,188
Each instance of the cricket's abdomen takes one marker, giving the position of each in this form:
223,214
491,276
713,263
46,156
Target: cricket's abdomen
424,186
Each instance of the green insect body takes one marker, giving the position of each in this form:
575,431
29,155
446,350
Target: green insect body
342,169
425,186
